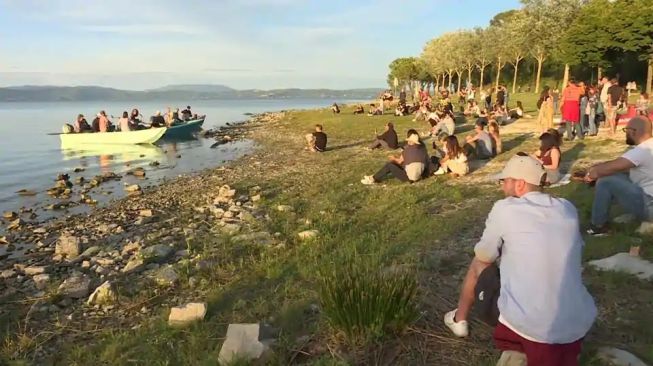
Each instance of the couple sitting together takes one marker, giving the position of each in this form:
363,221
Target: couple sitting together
414,162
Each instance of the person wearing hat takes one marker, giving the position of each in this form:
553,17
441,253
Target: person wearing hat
186,114
157,120
410,166
538,304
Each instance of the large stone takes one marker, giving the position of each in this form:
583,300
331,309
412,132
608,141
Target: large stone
133,188
146,213
624,262
103,295
68,246
243,342
7,273
225,195
92,251
130,247
41,281
618,357
34,270
15,224
182,315
166,276
77,286
134,265
308,234
231,229
156,253
9,215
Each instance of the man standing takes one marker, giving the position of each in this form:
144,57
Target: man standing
614,95
544,309
633,192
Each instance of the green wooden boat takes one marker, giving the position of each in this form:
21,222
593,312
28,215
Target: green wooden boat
184,129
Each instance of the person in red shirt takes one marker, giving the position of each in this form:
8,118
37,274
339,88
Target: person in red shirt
571,109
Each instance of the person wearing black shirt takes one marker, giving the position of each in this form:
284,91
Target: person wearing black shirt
501,96
615,92
402,96
157,120
317,140
388,139
186,114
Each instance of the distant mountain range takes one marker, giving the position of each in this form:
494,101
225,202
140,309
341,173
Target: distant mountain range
30,93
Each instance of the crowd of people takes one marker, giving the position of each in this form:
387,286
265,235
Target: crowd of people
130,121
525,279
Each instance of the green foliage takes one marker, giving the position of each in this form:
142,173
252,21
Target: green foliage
405,69
364,303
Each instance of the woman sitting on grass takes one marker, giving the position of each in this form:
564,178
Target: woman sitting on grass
493,130
643,104
517,113
359,109
472,109
408,167
549,155
454,160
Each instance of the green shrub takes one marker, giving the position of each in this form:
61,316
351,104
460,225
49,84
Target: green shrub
364,303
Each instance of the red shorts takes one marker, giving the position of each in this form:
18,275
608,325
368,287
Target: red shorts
537,354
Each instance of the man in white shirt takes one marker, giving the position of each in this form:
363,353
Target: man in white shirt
544,309
634,190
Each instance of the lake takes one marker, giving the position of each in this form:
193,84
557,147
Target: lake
31,159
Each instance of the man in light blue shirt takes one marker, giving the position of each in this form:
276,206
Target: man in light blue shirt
544,309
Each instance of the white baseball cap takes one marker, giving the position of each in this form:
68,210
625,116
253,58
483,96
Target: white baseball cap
525,168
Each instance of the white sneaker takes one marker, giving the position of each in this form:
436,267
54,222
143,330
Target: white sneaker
439,172
460,328
367,180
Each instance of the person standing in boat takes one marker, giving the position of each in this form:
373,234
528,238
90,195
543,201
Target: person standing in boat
157,120
123,122
186,114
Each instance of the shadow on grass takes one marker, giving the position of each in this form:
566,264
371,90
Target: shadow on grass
345,146
517,141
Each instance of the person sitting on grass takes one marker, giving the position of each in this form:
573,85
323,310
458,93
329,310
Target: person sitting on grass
534,297
446,126
549,155
483,118
516,113
454,160
410,166
359,109
643,104
499,114
421,113
627,180
401,110
317,141
493,130
479,144
388,139
472,109
335,109
375,111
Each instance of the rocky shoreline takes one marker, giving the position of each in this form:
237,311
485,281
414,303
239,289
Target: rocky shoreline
122,262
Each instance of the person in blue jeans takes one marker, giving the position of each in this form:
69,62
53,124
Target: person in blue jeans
628,180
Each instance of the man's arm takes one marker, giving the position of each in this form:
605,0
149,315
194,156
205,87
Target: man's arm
618,165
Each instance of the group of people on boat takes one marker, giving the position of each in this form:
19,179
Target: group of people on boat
130,121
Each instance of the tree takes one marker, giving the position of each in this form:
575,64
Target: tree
483,52
516,28
634,31
499,40
404,69
467,48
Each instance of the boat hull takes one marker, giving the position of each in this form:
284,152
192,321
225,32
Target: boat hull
184,130
147,136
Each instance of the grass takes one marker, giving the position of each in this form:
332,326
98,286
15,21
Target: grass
429,227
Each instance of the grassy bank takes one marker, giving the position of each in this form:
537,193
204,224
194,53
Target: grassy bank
429,228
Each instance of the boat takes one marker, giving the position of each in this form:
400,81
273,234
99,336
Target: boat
147,136
119,152
185,129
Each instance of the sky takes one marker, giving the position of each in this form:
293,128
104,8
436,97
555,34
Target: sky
245,44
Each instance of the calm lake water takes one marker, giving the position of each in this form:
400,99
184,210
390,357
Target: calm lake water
31,159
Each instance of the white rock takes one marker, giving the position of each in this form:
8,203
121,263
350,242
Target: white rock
645,228
242,343
624,262
8,273
619,357
103,295
256,198
146,213
41,280
182,315
133,188
34,270
308,234
68,246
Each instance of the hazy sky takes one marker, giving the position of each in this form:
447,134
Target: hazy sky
139,44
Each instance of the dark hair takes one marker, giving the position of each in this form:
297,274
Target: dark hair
453,147
645,95
519,105
319,126
555,134
413,131
125,114
547,142
391,125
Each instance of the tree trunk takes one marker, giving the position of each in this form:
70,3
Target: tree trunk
565,78
514,80
649,76
599,71
499,67
480,82
444,80
540,61
460,74
436,83
469,75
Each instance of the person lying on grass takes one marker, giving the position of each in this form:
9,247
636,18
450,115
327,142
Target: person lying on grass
410,166
549,155
387,140
534,297
454,160
627,180
317,140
